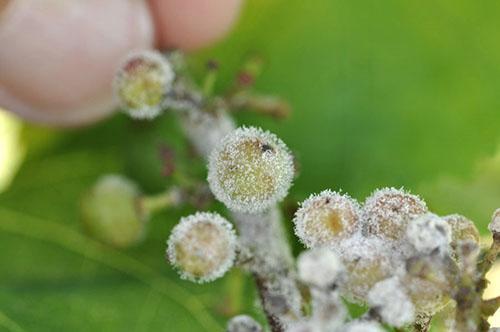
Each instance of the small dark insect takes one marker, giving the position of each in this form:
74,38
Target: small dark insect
266,147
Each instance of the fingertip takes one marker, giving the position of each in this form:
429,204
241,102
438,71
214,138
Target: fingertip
192,24
60,56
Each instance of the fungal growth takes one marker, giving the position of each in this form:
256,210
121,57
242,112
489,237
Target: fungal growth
390,254
142,83
250,170
243,323
428,233
202,247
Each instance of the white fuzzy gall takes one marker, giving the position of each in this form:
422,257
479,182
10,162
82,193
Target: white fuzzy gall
319,267
392,302
362,326
388,211
202,247
243,323
250,170
494,225
326,218
428,233
142,82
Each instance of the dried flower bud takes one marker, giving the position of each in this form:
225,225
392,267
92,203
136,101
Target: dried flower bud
494,225
319,267
326,218
388,211
142,83
202,246
362,326
110,213
429,232
250,170
392,303
243,323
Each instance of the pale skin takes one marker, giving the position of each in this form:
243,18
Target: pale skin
58,57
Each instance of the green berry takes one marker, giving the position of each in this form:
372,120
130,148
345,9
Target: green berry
110,211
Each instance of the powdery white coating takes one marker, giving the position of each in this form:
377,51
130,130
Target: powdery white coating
243,323
250,170
202,247
362,326
206,130
328,310
494,225
429,232
304,326
142,82
319,267
387,212
325,218
390,300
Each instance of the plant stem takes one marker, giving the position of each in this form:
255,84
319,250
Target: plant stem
261,235
155,203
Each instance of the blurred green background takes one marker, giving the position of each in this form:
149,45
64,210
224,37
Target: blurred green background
385,93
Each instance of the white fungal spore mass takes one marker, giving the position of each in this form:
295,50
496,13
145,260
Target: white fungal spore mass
362,326
390,300
250,170
142,82
429,232
326,218
202,246
319,267
243,323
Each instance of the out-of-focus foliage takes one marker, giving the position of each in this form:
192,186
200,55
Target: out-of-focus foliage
384,94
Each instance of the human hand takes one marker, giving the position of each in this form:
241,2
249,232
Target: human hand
58,57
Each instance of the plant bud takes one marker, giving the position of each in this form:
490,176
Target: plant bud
388,211
392,303
429,232
326,218
243,323
250,170
142,82
319,267
110,212
202,247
